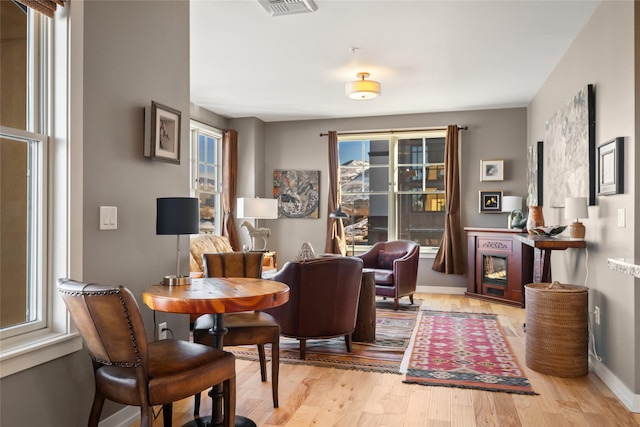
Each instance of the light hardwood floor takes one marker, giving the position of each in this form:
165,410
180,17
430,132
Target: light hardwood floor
312,396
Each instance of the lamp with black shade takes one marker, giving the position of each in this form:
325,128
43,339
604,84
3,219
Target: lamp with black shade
177,215
340,214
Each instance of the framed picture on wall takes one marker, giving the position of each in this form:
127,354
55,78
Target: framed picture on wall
163,142
490,201
491,170
611,167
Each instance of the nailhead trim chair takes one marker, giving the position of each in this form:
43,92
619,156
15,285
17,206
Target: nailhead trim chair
130,370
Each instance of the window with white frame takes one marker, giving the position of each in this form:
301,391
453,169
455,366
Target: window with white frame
37,208
206,175
392,187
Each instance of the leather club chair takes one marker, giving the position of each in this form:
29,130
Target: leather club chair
244,328
130,370
323,299
395,264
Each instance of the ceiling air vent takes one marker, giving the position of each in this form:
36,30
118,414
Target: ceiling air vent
287,7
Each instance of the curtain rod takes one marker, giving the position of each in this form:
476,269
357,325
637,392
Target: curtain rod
393,131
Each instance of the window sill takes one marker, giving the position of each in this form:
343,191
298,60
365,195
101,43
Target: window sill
27,353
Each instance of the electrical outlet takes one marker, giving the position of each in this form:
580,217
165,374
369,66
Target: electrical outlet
596,314
162,331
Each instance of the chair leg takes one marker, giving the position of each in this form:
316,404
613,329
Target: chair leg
146,415
229,397
96,409
263,362
303,348
411,298
347,341
196,405
167,414
275,371
396,303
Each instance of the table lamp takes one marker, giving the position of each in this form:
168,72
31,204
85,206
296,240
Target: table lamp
257,209
340,214
513,205
177,215
576,207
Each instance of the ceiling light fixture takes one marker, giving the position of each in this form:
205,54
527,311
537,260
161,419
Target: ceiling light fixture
362,89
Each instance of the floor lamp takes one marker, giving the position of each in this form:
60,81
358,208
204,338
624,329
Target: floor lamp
177,215
340,214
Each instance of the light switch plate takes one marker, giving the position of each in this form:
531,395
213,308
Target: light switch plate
108,218
621,217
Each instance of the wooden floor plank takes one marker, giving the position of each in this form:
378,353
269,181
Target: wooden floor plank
327,397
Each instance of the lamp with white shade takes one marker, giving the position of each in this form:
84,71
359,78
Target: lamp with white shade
576,208
257,208
513,205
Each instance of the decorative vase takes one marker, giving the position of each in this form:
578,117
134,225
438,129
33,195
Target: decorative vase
536,219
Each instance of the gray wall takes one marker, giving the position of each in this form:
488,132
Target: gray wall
603,54
491,134
134,52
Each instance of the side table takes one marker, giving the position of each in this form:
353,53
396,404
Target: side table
365,330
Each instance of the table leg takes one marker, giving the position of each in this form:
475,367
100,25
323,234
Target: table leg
541,265
218,331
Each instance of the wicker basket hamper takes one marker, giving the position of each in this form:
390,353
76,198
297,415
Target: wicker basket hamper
557,329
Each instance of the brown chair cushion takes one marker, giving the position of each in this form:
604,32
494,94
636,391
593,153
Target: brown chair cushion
385,259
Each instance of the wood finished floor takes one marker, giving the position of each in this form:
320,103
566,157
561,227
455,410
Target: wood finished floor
313,396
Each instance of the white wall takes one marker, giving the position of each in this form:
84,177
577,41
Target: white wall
603,55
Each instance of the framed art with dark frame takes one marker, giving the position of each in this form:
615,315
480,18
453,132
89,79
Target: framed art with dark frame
491,170
490,201
611,167
164,142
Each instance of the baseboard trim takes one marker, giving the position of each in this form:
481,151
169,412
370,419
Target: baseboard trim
123,418
617,387
450,290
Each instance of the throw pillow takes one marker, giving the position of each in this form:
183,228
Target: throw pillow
306,252
385,259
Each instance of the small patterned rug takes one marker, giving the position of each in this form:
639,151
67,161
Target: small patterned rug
393,333
464,350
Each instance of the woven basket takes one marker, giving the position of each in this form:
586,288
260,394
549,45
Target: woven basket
557,329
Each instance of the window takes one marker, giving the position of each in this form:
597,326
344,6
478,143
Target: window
393,187
206,173
40,200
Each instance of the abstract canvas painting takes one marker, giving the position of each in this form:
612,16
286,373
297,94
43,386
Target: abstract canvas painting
298,193
569,155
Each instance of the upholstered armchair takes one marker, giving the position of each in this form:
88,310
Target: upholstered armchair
395,264
323,299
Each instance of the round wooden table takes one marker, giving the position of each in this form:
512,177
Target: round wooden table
217,295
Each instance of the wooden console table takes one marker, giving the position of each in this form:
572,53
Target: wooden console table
498,265
542,246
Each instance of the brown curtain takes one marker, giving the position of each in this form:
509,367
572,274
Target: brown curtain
229,186
335,240
46,7
450,256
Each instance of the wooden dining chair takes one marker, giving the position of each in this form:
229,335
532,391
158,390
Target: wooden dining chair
245,328
130,370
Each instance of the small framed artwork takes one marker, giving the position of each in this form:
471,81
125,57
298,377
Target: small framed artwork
490,201
611,167
164,134
491,170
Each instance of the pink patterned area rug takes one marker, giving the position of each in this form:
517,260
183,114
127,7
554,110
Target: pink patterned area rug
466,350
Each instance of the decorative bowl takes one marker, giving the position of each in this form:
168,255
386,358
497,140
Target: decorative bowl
548,231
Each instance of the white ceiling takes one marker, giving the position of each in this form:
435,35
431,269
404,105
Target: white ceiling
429,56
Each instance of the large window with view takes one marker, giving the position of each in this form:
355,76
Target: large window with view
206,172
392,187
23,170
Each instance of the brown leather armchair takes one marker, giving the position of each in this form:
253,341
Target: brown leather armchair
323,301
395,264
244,328
132,371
